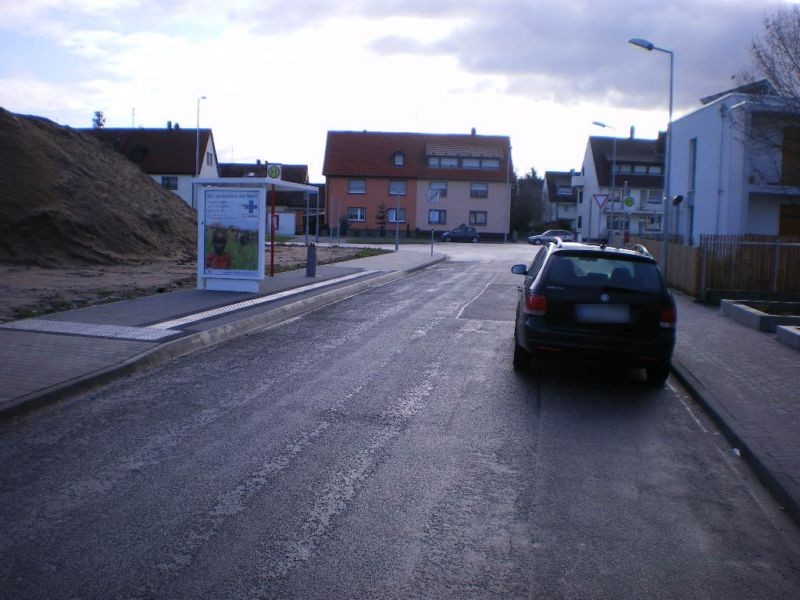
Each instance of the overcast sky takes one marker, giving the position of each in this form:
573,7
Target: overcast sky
279,74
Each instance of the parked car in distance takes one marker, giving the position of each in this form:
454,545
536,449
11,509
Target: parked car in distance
550,236
596,304
462,233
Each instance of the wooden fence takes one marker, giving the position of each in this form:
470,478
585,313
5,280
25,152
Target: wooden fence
732,266
749,266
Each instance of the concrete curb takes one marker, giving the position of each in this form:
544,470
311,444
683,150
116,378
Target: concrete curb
756,457
197,341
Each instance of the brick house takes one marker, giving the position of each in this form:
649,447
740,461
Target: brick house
438,181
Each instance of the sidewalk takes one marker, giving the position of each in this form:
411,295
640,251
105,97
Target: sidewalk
747,380
749,383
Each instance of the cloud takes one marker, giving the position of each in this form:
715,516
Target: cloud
534,69
577,51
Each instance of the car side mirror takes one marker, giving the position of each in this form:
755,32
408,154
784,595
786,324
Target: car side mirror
519,269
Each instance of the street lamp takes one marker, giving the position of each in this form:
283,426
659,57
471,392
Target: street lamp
197,140
649,46
613,175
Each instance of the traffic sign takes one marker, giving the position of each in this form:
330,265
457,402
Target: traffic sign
601,199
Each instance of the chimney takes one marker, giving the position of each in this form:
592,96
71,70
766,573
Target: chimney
633,132
473,131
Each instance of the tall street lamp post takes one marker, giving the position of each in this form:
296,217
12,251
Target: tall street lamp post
613,175
649,46
197,140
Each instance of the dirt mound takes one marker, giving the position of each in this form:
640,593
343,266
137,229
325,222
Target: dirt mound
67,200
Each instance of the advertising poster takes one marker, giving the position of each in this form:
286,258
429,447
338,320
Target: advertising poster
232,245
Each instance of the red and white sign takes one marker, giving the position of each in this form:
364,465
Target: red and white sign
601,199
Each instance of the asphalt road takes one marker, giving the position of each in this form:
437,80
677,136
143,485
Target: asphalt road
383,447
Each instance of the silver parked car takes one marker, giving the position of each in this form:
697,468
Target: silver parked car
550,236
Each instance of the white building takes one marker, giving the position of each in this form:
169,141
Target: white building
620,187
736,162
560,199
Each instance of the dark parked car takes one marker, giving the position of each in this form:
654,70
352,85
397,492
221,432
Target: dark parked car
462,233
550,236
595,304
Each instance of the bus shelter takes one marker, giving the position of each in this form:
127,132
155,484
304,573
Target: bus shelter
234,217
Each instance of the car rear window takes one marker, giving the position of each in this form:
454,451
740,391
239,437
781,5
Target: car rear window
588,270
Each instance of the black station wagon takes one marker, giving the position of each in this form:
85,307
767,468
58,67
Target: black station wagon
597,304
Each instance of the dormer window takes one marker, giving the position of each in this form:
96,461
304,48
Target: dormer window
399,159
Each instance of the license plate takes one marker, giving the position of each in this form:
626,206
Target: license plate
602,313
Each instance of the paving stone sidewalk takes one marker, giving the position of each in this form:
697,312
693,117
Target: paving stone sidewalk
749,382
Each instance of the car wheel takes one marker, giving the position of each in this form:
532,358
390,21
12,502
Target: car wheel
536,242
447,239
657,376
522,359
474,240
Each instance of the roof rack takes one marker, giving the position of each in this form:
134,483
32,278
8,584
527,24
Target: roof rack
641,249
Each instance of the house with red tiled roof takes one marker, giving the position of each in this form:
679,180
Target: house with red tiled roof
172,156
420,181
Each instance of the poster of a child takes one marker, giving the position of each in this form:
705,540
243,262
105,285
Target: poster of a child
231,233
218,258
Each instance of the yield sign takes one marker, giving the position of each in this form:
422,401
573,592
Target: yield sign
601,199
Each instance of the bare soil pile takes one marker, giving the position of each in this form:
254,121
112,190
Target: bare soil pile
69,200
81,225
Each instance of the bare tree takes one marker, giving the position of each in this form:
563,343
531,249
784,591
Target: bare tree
776,60
98,120
776,55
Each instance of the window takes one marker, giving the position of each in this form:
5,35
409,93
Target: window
356,186
623,168
449,162
654,169
437,217
640,169
397,188
209,159
651,196
439,186
464,162
391,218
169,182
564,190
399,159
356,213
478,190
653,223
477,217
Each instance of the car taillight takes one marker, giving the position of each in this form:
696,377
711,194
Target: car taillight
536,304
669,317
